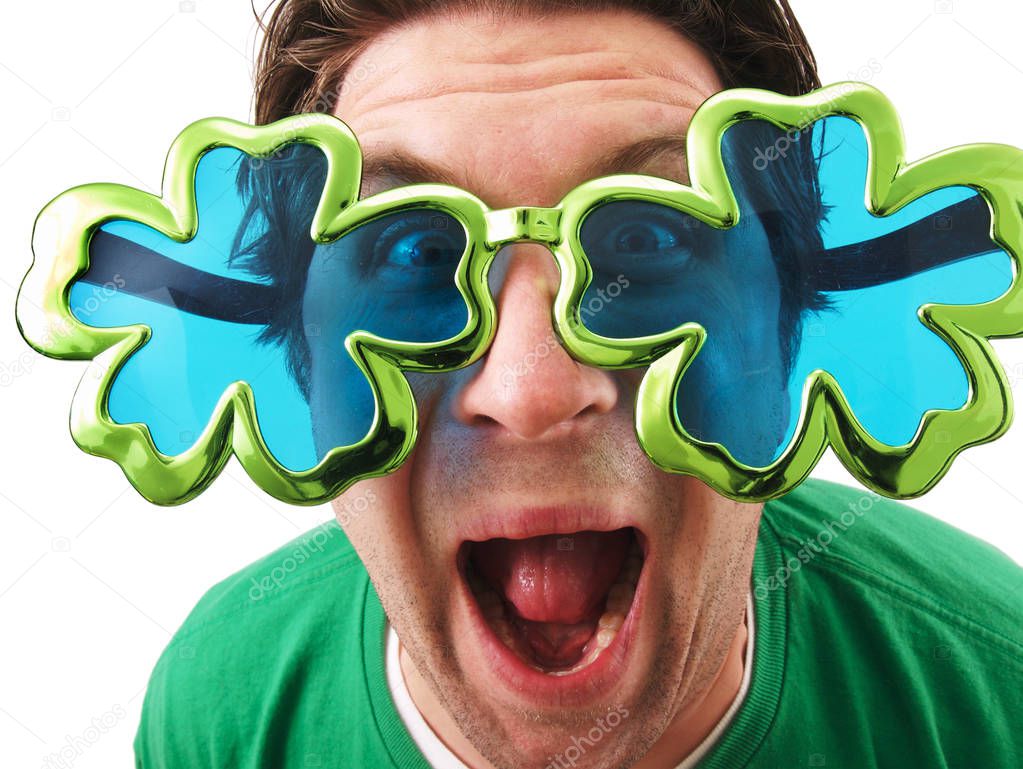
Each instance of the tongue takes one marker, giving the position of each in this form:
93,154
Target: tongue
556,583
559,578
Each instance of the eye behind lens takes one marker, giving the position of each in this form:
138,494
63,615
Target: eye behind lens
419,240
644,241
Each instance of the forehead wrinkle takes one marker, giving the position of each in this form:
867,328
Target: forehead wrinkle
489,110
558,98
532,164
505,143
443,46
672,87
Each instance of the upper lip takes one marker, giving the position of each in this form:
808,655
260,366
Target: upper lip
537,520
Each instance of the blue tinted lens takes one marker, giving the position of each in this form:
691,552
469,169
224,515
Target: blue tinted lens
394,277
251,298
808,279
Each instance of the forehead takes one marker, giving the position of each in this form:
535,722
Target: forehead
520,109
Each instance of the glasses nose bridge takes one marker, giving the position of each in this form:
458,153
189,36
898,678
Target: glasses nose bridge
523,223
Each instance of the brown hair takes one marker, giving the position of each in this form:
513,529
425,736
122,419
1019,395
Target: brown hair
309,45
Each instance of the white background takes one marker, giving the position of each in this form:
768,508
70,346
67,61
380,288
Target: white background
93,580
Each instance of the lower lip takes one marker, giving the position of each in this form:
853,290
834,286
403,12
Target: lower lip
574,689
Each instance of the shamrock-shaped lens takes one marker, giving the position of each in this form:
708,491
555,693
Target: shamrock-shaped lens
253,298
807,279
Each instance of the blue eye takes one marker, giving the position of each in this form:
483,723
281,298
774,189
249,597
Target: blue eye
419,241
649,243
646,240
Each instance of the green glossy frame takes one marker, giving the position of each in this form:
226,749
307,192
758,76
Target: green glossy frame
63,230
826,418
62,233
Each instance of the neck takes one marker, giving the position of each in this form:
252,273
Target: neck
697,720
688,729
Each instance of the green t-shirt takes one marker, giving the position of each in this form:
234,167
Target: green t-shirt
884,638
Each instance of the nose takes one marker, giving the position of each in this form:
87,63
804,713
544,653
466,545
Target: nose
527,384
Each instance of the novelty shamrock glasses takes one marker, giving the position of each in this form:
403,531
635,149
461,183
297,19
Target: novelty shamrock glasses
809,287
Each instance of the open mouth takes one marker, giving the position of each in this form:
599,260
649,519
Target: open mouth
557,601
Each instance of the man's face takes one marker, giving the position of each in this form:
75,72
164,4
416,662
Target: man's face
533,486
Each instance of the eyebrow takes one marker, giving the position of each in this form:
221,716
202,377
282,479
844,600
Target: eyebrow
395,165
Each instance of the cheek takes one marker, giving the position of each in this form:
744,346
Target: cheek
375,516
715,539
361,512
410,577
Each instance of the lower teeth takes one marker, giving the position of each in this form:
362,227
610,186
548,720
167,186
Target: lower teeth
619,599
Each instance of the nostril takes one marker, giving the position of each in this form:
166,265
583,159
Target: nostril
592,410
482,420
555,392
